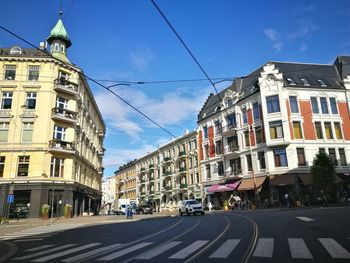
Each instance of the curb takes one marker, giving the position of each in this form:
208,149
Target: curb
12,251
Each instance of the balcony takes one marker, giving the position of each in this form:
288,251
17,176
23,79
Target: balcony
182,154
168,188
232,149
59,146
167,159
66,86
183,186
101,151
182,170
168,173
151,167
229,130
64,115
233,173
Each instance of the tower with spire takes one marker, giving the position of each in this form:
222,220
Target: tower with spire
59,40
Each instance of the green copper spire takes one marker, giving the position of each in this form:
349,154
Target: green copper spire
59,32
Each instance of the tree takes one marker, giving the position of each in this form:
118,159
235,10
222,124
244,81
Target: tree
323,170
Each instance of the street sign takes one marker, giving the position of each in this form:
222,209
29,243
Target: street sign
10,199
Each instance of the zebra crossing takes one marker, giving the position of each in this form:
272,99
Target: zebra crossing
38,233
265,248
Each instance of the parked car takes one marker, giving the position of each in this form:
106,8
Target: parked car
190,207
144,209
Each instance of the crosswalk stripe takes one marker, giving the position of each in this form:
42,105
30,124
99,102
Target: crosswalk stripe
27,240
225,249
125,251
333,248
304,218
264,248
46,252
91,253
66,252
190,249
39,248
157,251
298,248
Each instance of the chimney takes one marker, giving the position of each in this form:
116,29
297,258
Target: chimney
43,45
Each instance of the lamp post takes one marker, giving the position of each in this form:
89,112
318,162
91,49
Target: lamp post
52,200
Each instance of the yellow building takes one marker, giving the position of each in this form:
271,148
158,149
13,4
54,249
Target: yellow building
51,131
125,178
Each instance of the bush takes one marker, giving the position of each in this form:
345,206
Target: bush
3,220
45,208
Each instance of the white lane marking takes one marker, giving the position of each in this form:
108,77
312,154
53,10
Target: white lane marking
27,240
66,252
45,252
190,249
157,251
304,218
39,248
91,253
264,248
225,249
333,248
125,251
298,248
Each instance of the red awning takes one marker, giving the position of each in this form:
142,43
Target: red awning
223,187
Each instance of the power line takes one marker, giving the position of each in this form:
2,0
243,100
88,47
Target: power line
91,79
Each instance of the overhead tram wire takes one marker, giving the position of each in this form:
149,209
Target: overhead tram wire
91,79
187,48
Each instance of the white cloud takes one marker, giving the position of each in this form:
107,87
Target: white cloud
140,58
277,46
305,28
271,34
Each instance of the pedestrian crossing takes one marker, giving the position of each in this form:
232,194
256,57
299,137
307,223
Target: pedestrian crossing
180,250
38,233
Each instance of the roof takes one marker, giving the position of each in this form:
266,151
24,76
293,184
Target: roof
331,75
60,32
26,52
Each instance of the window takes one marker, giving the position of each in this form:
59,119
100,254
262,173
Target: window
258,135
272,104
220,168
321,82
235,165
314,105
322,150
324,105
291,82
249,162
62,48
261,159
218,147
61,103
297,130
304,81
217,125
205,132
57,167
256,111
6,100
245,116
280,157
10,72
27,132
246,139
328,130
342,157
231,120
301,157
293,104
4,131
23,165
276,130
206,151
332,154
333,103
207,169
2,165
337,130
228,102
33,72
63,76
31,100
232,143
59,133
318,128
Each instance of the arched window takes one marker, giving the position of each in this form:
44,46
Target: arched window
62,48
56,47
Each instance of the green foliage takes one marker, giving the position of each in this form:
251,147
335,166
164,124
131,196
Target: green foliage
323,170
3,220
45,208
67,208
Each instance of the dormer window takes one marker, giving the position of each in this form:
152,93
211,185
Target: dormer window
62,48
321,82
56,47
291,82
304,81
15,51
228,102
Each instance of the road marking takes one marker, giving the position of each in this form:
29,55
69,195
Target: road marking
190,249
225,249
45,252
125,251
298,248
264,248
66,252
39,248
157,251
27,240
333,248
304,218
91,253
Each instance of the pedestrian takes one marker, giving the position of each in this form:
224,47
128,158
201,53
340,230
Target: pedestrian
286,197
210,206
266,203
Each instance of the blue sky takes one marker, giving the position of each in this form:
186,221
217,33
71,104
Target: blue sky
129,41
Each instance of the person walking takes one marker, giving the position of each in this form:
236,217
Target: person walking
210,206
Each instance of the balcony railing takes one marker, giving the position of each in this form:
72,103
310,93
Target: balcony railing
182,170
229,128
151,166
168,188
167,159
167,173
233,173
183,186
66,86
231,148
61,146
64,115
182,154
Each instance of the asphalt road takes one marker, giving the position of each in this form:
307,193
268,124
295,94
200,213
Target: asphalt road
300,235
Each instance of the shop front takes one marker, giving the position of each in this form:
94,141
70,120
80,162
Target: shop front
219,194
